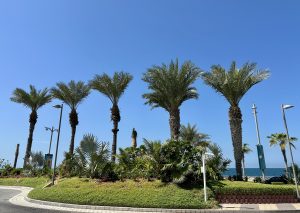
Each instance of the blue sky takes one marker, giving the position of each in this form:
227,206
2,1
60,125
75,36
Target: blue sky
43,42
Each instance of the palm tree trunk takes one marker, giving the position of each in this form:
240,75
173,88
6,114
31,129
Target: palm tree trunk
285,162
73,118
32,120
16,156
174,122
115,117
235,120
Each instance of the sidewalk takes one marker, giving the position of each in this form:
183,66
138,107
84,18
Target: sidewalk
22,200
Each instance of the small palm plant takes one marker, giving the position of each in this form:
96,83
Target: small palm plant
190,133
245,150
233,85
34,99
170,86
91,155
281,140
71,94
113,88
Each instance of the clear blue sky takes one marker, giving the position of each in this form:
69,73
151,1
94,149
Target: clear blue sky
43,42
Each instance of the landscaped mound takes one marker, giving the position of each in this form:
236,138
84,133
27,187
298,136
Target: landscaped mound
127,193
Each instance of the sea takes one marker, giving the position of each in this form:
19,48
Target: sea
255,172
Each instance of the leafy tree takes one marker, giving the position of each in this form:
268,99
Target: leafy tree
281,140
171,85
37,160
245,150
34,99
233,85
71,94
113,88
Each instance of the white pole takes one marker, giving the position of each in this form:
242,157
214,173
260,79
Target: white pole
204,177
257,134
292,158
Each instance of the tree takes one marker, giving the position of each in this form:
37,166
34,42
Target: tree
71,94
171,85
245,150
281,140
190,133
233,85
113,88
34,99
133,138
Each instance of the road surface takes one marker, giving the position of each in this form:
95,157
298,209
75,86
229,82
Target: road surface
7,207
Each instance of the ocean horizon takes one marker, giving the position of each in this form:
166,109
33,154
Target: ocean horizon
255,172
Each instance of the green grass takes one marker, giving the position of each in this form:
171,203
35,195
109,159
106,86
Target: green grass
30,182
239,187
128,193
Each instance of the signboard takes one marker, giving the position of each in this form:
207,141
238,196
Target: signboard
261,157
48,160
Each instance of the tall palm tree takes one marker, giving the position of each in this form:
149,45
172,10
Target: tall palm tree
170,86
245,150
71,94
113,88
34,99
281,140
233,85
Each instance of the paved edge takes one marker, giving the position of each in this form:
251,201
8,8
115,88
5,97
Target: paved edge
22,199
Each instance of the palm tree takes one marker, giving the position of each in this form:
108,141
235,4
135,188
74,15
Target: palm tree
34,99
233,85
113,88
281,140
71,94
170,86
190,133
245,150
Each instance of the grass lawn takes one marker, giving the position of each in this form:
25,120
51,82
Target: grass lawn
30,182
239,187
128,193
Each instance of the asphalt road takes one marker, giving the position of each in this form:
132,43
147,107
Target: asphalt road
7,207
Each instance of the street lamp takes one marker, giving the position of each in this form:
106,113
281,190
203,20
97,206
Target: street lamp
58,134
51,130
204,173
284,107
260,149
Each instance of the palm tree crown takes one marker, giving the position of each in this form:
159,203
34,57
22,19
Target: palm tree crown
233,85
113,88
190,133
170,86
34,99
71,94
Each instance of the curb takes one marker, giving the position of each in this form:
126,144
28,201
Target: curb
113,208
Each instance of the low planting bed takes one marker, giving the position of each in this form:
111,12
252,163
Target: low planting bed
128,193
248,192
24,181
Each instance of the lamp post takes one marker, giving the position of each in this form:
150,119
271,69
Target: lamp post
204,173
51,130
260,150
61,110
284,107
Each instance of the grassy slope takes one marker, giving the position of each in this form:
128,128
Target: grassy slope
129,193
30,182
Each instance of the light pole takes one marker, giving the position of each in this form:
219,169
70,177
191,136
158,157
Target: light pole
51,130
204,173
61,110
260,149
284,107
